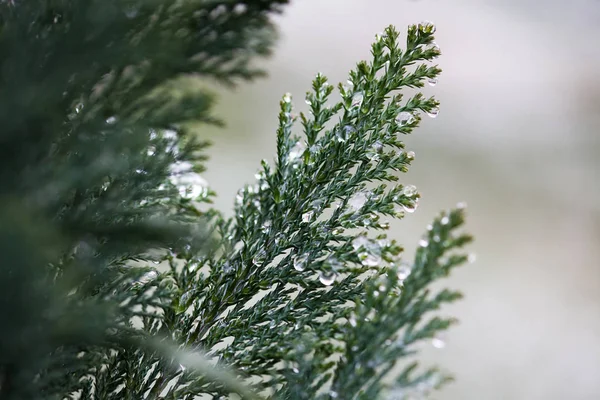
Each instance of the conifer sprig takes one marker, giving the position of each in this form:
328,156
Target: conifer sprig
309,298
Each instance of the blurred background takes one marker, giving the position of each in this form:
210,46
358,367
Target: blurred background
517,138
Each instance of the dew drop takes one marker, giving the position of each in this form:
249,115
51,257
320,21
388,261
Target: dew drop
445,220
190,185
436,238
357,100
148,277
369,260
239,197
300,262
259,258
433,113
378,147
333,394
266,227
343,133
111,120
405,118
358,200
295,370
410,155
240,8
287,98
423,243
280,237
409,190
461,206
410,208
170,135
360,241
307,216
438,343
383,243
403,272
432,81
296,152
227,268
327,277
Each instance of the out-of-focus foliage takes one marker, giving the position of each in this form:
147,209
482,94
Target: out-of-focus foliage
97,170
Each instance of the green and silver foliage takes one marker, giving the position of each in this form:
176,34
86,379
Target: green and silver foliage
307,298
302,296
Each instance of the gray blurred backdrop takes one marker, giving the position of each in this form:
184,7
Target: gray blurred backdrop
517,138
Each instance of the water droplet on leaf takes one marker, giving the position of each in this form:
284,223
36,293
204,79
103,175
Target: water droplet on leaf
239,197
432,81
327,277
300,262
357,100
369,260
405,118
438,343
307,216
148,277
266,227
409,190
433,113
360,241
358,200
296,152
404,271
410,208
423,243
343,133
259,258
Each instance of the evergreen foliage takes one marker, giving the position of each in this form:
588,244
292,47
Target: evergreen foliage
300,295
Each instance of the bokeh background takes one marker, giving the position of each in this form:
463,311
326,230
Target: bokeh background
517,138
